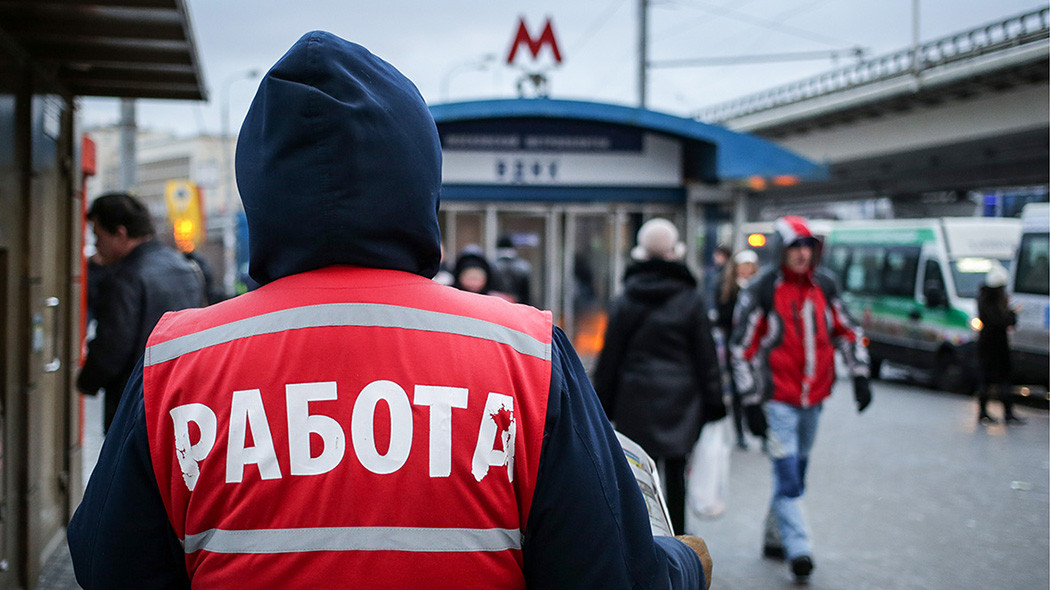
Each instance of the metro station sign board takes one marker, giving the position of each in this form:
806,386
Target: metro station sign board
557,153
536,134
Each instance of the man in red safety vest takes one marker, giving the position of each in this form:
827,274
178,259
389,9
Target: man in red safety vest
352,423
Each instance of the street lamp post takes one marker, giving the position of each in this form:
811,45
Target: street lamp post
229,225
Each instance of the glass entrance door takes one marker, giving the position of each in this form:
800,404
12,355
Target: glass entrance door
587,270
576,254
521,256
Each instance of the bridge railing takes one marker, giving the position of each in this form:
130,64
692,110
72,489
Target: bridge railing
999,36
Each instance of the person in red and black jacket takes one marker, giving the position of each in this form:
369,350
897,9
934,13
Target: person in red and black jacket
788,324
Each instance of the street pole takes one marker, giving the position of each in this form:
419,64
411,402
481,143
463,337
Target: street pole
643,50
128,136
229,226
916,51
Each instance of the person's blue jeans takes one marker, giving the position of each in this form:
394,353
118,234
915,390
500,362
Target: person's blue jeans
789,439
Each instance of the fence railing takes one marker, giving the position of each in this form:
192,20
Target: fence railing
999,36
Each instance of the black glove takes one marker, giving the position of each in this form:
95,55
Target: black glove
861,392
756,420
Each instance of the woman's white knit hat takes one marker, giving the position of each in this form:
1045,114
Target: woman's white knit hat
658,239
745,256
997,276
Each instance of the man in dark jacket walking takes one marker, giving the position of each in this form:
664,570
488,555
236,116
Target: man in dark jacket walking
143,279
658,375
788,324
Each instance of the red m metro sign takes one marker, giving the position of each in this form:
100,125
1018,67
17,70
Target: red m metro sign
535,45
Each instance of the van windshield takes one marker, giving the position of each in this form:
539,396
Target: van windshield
1033,269
969,274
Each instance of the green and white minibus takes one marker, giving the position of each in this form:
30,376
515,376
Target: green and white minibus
912,284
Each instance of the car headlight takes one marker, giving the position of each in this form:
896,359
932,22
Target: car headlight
976,324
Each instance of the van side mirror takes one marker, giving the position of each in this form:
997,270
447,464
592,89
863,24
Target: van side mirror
935,295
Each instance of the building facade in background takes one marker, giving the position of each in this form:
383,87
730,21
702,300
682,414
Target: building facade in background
203,160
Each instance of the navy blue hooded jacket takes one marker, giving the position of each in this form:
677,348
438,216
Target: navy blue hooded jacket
338,162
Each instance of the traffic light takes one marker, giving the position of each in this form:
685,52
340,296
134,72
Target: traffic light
185,213
185,229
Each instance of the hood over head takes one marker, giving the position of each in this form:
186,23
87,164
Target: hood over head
338,162
652,282
471,260
792,230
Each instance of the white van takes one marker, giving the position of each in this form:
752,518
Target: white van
1030,290
912,284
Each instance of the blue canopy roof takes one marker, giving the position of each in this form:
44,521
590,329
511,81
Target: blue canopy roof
738,156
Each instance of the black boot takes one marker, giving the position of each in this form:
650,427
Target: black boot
801,566
982,409
1006,396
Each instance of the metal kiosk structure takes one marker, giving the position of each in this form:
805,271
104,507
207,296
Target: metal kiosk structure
52,52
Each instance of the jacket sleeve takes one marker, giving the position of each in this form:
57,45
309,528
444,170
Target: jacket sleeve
112,351
120,536
588,525
846,333
749,326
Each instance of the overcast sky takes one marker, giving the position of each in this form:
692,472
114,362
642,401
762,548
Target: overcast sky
442,44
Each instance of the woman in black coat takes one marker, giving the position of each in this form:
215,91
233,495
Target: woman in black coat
657,376
993,345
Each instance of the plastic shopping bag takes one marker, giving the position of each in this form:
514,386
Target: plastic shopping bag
707,486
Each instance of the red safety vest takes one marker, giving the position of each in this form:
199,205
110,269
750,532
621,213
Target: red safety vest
349,427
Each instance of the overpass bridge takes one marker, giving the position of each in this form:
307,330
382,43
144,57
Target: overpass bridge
925,126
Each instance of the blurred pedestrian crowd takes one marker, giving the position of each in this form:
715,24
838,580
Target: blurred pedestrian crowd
508,276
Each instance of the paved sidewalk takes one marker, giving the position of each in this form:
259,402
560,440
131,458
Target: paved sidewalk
911,495
58,572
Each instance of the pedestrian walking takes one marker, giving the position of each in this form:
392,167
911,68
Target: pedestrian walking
512,273
790,322
737,273
141,279
713,273
993,346
472,273
657,375
212,291
352,423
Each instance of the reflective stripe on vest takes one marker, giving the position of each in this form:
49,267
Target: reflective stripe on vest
416,539
347,314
